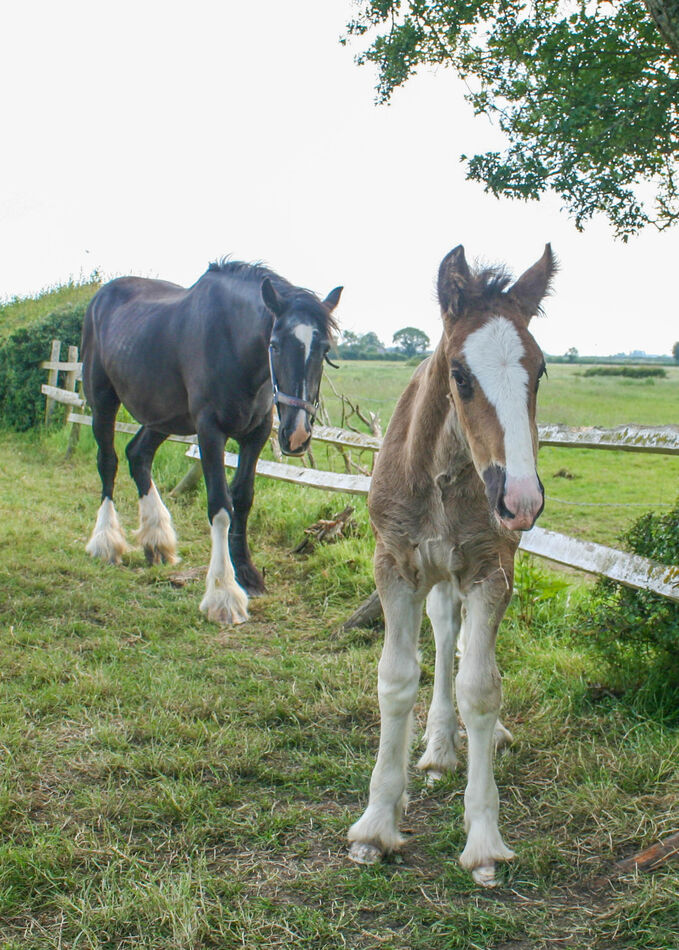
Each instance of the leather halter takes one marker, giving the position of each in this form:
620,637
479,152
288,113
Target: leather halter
279,397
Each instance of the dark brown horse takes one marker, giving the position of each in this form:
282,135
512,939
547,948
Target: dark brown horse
211,359
454,484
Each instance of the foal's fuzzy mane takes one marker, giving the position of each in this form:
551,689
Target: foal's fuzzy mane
299,296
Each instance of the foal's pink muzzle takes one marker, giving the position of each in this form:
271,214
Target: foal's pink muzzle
523,502
516,502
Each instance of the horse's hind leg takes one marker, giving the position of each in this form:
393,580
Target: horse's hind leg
376,832
108,539
242,492
155,533
442,735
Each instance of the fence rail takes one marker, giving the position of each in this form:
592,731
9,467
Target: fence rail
628,569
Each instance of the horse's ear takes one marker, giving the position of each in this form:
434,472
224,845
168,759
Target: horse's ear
453,276
333,298
271,298
530,289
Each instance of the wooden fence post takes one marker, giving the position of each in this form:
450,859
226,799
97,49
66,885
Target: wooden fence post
52,378
70,384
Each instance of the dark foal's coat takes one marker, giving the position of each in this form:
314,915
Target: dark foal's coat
196,360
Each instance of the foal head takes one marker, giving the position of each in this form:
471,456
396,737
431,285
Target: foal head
300,340
495,366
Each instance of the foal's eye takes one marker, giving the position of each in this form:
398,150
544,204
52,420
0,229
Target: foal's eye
543,372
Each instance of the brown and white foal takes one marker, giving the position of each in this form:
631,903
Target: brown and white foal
454,484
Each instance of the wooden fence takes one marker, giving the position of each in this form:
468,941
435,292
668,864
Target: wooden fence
629,569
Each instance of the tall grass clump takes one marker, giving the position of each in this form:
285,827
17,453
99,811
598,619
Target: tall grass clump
636,631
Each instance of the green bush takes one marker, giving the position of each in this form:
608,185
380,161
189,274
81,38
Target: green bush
636,631
631,372
22,404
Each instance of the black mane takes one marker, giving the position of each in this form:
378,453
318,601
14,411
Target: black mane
299,297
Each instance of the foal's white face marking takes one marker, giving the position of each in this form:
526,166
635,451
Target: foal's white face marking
493,354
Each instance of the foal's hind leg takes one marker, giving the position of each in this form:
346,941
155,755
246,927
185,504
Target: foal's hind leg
376,832
108,539
243,491
442,734
155,533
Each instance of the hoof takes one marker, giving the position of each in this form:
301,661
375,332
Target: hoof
432,776
158,556
502,737
485,876
225,606
362,853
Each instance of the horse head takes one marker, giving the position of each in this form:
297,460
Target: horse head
495,368
301,337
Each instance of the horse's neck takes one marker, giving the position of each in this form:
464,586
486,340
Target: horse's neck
435,440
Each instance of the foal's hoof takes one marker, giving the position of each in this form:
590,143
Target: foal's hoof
362,853
502,737
485,876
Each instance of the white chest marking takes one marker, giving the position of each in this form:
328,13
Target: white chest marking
493,354
305,335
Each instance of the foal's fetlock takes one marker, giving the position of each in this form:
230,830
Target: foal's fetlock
373,836
439,757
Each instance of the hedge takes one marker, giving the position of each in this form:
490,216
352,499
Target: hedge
22,405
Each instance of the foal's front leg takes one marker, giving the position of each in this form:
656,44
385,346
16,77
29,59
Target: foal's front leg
376,832
224,601
478,686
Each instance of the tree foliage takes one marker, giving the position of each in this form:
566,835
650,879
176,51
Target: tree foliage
587,94
675,352
411,340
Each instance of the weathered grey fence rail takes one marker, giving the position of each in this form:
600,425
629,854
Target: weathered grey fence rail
628,569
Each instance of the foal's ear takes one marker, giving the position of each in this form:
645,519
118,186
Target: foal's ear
333,298
529,290
453,276
271,298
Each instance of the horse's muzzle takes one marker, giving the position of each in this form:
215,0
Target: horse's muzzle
516,502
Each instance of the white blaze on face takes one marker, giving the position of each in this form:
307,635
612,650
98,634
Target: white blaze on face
304,332
493,354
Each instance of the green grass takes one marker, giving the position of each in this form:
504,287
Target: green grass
23,311
167,784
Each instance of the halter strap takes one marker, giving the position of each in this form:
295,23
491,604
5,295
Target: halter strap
279,397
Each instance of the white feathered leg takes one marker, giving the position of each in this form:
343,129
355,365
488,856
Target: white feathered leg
224,601
108,538
478,686
156,532
376,832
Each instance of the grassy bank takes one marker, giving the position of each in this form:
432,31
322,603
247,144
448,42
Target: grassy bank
167,784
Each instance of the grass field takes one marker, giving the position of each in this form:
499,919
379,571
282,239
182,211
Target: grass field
167,784
603,491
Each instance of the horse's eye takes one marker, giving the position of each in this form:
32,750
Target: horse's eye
274,346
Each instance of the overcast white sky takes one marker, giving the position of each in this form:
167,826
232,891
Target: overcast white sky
150,138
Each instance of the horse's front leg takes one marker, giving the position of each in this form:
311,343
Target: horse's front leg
376,832
478,686
224,600
243,492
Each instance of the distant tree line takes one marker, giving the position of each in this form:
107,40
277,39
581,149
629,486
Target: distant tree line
410,343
